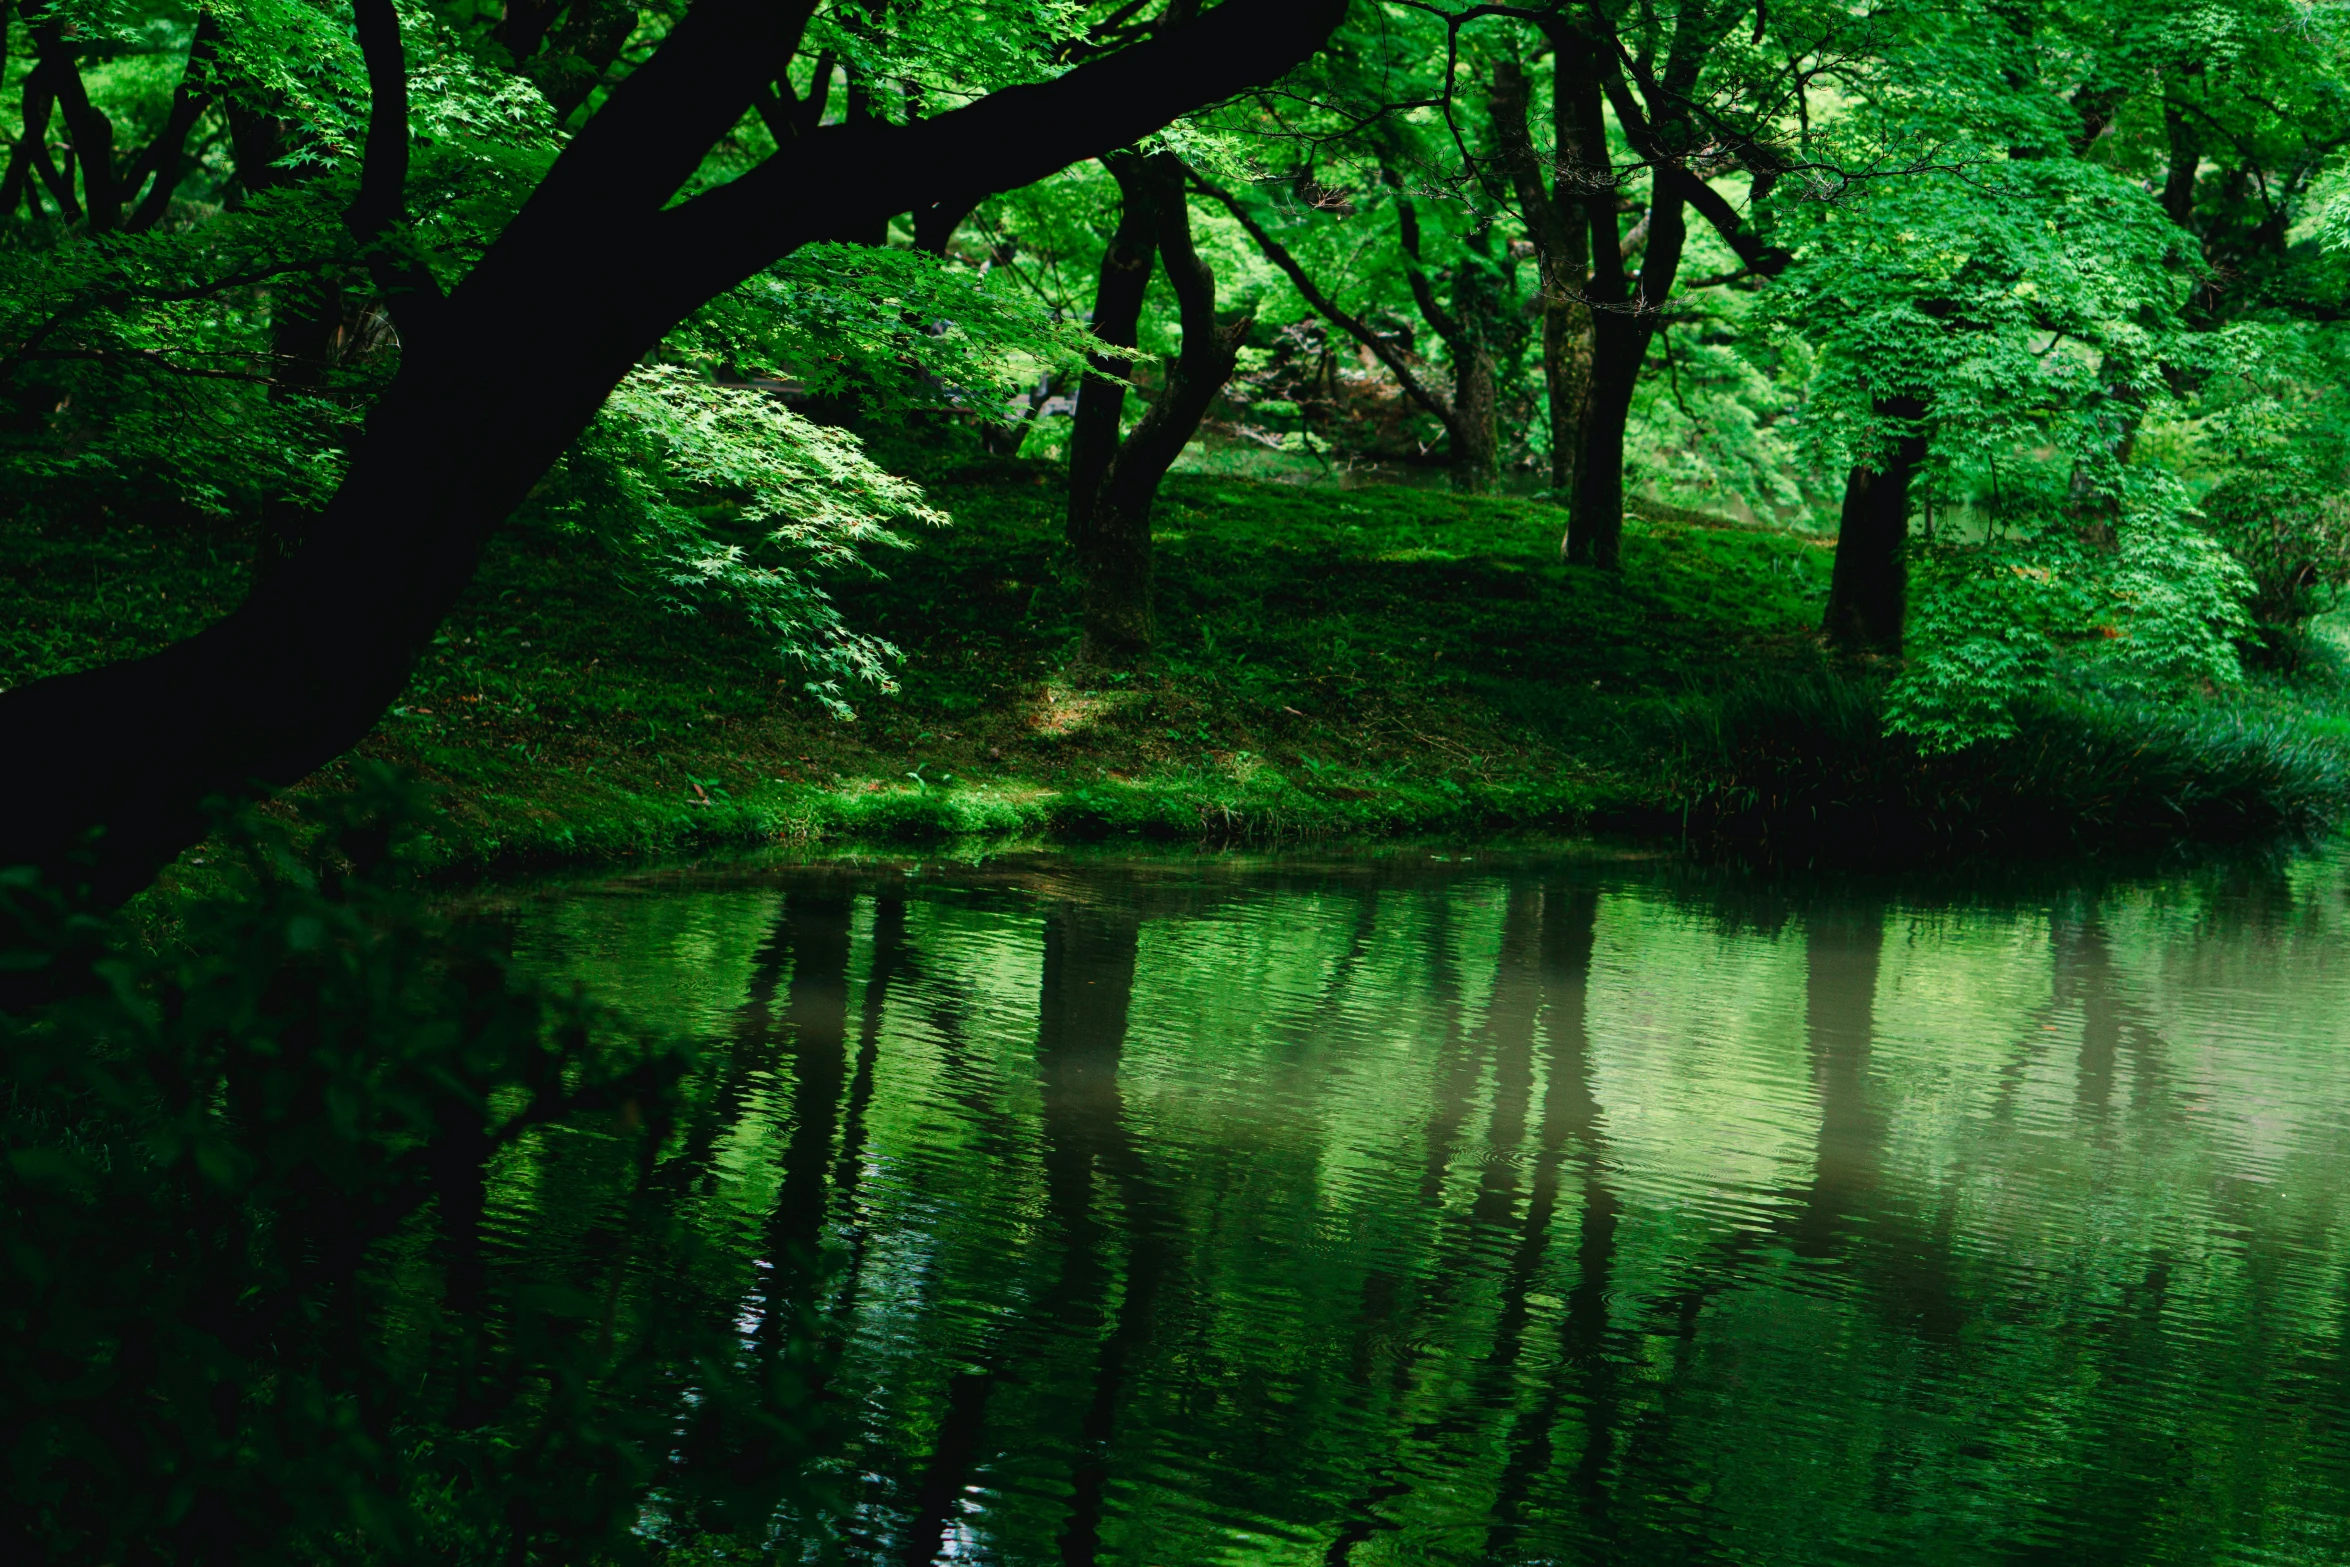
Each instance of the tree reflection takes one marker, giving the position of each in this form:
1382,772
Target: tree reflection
1088,1153
1843,948
1540,989
1571,1125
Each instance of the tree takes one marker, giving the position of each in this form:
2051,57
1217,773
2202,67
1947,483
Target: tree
1600,311
1667,130
1560,232
1113,482
602,259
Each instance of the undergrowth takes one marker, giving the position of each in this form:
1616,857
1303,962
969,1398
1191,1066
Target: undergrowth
1799,767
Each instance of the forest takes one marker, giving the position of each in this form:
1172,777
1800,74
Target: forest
452,451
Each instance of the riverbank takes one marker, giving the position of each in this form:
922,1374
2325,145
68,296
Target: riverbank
1351,664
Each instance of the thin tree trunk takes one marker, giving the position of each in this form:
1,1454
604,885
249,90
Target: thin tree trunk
1472,440
1378,344
1868,590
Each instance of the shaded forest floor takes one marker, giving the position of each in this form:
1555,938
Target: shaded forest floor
1333,664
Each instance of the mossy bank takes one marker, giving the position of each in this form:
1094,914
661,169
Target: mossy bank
1332,664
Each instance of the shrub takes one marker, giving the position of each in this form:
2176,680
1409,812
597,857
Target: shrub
2292,534
1803,768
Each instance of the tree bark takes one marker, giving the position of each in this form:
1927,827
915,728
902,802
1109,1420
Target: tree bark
1595,516
108,772
581,48
1626,310
1117,320
166,156
1562,249
1114,556
1868,590
85,122
2186,156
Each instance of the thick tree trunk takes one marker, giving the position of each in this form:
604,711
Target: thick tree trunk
1595,518
1566,380
1868,590
105,775
1556,224
1475,445
1620,339
1117,320
1626,312
1114,550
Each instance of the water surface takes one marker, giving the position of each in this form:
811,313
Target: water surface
1541,1208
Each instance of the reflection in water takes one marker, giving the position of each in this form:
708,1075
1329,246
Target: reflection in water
1531,1211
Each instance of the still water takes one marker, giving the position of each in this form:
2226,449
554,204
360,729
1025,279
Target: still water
1547,1207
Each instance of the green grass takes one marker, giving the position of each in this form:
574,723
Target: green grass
1333,664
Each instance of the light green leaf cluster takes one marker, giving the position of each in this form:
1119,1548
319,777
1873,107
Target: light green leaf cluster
728,496
2014,295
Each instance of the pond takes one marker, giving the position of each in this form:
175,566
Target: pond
1537,1206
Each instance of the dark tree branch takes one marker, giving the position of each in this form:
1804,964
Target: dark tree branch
1117,325
1407,222
857,173
1209,353
1550,218
149,357
819,90
1673,179
582,48
85,122
165,156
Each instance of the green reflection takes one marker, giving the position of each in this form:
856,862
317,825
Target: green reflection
1541,1211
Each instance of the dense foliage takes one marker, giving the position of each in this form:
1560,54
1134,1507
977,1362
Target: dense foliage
2080,256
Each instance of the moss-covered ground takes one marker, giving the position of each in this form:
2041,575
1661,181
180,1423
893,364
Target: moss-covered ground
1332,663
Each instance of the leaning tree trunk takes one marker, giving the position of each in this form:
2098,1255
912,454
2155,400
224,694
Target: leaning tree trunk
1868,591
1113,553
106,775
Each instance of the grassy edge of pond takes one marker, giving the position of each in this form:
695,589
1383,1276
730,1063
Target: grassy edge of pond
1334,665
